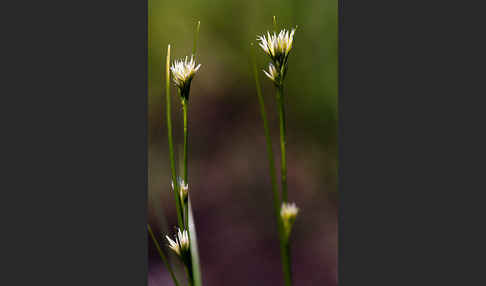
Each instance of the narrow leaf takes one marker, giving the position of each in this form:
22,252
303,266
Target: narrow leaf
196,268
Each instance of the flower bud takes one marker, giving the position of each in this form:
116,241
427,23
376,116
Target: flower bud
288,213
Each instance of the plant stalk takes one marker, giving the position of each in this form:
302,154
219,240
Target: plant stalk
283,143
186,135
285,246
284,253
194,268
171,145
185,159
189,272
196,35
162,255
271,162
286,262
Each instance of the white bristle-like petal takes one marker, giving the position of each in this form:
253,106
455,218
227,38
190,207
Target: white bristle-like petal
183,70
276,45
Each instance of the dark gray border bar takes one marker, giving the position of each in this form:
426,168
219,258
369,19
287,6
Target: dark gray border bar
74,188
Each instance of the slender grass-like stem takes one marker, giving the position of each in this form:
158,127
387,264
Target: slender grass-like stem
285,246
162,255
263,113
286,263
186,217
185,159
284,253
188,268
283,143
196,36
194,268
186,136
171,145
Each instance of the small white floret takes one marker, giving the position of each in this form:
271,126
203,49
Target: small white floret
277,46
183,71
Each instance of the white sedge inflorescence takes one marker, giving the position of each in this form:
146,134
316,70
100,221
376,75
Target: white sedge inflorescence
277,47
183,71
183,189
272,72
288,213
180,244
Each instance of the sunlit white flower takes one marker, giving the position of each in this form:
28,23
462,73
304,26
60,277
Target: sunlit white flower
183,71
288,213
272,72
277,46
180,244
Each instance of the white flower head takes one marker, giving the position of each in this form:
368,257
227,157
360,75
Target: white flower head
180,244
288,213
183,189
272,73
183,71
174,245
277,46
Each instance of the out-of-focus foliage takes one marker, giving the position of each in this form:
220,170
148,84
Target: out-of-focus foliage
227,28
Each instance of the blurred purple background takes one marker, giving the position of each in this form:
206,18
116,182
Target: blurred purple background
232,200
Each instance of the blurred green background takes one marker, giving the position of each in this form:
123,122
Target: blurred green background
228,170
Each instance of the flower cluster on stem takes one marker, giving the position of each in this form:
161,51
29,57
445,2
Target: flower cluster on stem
277,47
183,72
180,245
288,213
183,190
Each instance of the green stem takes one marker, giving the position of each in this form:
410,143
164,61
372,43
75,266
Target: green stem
285,246
196,266
284,253
283,143
185,165
171,145
196,35
189,273
162,255
185,178
186,135
186,216
271,163
286,262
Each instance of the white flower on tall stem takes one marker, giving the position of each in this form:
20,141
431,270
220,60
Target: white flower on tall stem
183,71
180,244
277,46
183,189
288,213
272,73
